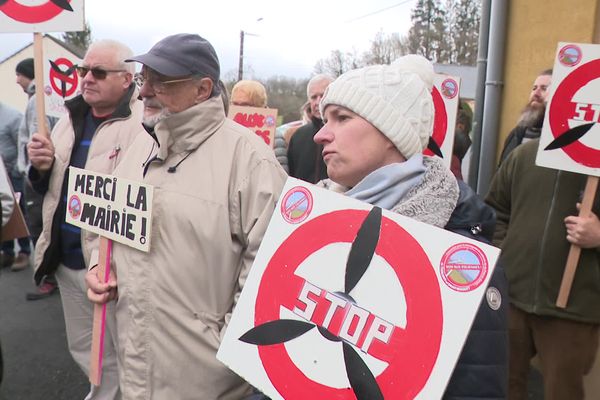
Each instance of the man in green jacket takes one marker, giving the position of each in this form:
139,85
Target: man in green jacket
536,224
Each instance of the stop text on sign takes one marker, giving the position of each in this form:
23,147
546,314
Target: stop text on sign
587,112
342,317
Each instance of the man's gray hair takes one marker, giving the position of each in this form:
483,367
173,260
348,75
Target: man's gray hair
318,78
120,50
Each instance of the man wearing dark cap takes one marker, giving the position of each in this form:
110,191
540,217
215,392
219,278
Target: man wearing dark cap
215,187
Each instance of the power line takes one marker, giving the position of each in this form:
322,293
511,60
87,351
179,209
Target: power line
379,11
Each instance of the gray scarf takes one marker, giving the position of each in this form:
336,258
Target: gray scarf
386,186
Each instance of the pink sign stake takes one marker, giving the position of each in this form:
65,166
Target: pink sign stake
99,331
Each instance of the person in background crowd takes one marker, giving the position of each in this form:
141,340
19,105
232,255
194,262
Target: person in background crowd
462,140
7,200
6,205
291,127
253,94
10,120
378,122
531,120
215,188
537,223
304,155
32,201
101,124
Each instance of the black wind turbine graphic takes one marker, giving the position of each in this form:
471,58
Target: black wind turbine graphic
361,379
434,148
570,136
66,73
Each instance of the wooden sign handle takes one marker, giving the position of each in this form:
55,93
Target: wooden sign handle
573,258
38,65
98,332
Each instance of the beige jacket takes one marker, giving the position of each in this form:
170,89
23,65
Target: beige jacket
209,216
108,145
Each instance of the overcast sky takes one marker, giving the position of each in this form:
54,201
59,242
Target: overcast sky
290,36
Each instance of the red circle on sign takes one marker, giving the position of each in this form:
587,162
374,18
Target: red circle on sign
70,79
562,109
440,121
31,14
411,352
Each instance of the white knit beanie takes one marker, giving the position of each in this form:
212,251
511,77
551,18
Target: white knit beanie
395,98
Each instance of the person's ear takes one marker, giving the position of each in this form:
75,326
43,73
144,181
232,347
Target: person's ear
205,88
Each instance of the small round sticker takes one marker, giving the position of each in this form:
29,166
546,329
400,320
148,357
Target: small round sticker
74,207
463,267
570,55
296,204
493,298
449,88
270,121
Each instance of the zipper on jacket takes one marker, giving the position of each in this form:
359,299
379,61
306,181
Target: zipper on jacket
543,246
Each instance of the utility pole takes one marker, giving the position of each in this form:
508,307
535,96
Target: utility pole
241,64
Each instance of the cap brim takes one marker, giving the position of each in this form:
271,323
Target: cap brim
161,65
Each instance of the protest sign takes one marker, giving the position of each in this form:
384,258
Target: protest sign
61,81
116,208
445,94
570,138
41,16
261,121
347,300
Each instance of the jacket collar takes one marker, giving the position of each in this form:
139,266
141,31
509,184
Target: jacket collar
188,129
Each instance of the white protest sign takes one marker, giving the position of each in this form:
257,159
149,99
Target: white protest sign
445,94
41,15
341,291
61,81
116,208
570,138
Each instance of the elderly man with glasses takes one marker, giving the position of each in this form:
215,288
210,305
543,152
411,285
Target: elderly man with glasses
215,188
101,124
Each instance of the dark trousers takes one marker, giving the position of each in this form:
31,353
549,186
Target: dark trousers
8,247
566,350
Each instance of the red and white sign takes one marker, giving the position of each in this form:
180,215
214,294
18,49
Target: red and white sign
570,138
353,291
61,82
261,121
41,15
445,95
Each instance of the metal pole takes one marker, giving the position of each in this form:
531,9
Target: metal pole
241,65
493,96
482,54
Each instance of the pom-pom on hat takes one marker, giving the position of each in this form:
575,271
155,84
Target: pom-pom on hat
395,98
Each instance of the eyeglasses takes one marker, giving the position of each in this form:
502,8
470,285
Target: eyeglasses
157,86
97,72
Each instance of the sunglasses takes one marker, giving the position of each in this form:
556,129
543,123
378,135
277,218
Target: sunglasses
97,72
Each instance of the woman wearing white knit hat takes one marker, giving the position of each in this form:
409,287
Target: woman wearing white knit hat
378,120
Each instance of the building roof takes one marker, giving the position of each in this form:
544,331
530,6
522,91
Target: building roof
73,49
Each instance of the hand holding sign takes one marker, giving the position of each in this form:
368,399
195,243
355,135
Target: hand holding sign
40,150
